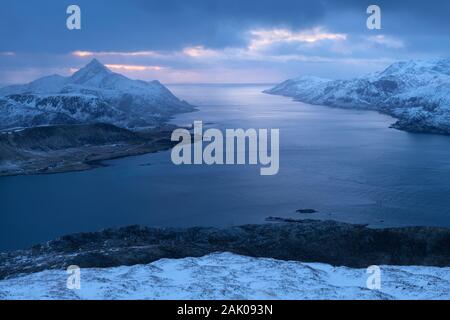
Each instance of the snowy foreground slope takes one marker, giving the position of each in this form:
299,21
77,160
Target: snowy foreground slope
229,276
415,92
93,94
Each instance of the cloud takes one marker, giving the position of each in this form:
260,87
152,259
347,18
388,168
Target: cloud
192,52
89,54
133,67
266,37
275,50
259,40
201,52
387,41
190,40
263,44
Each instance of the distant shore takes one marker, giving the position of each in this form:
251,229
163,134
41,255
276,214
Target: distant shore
58,149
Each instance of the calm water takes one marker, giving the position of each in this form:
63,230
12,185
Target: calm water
347,164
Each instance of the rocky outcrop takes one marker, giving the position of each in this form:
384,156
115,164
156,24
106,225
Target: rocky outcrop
306,240
62,148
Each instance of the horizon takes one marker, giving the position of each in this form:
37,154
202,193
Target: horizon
165,83
210,42
195,83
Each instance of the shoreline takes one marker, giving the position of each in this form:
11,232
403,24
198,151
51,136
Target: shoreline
97,162
83,157
330,242
401,124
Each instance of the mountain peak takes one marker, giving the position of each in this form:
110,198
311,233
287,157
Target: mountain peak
93,71
95,64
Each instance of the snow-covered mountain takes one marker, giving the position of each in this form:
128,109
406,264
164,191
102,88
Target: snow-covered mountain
230,276
415,92
92,94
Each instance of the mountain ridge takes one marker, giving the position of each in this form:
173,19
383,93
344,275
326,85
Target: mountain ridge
92,94
323,241
416,92
228,276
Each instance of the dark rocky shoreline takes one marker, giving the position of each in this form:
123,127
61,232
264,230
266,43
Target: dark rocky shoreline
329,242
66,148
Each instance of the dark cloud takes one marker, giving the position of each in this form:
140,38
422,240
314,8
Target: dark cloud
138,24
171,24
36,31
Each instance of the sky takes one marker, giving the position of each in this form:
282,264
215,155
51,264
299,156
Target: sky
218,41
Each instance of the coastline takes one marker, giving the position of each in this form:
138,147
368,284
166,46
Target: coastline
94,159
402,124
330,242
85,157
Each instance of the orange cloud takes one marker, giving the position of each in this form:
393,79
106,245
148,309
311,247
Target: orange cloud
266,37
84,54
200,52
133,67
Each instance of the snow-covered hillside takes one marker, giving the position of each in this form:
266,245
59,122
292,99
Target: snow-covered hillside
415,92
92,94
229,276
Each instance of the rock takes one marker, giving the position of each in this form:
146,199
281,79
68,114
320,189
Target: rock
330,242
279,219
306,211
63,148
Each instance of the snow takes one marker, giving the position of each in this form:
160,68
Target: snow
415,91
92,94
94,78
228,276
